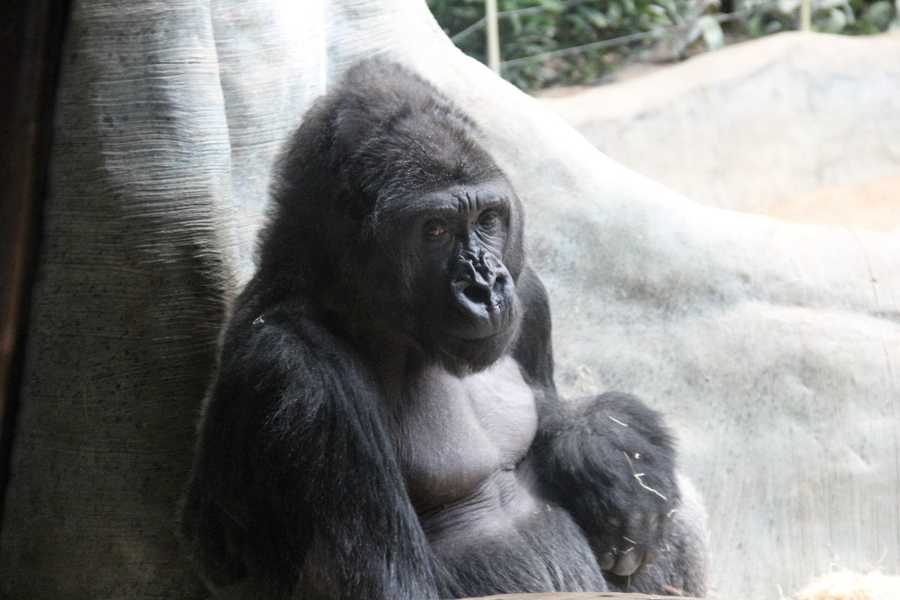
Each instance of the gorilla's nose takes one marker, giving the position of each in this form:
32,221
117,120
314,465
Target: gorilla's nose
477,281
480,289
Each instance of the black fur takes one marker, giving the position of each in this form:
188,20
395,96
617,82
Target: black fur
301,483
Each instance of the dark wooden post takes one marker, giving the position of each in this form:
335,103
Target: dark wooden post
31,33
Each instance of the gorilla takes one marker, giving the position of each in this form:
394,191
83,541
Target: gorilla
383,423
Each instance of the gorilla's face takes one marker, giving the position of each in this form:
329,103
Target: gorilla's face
460,291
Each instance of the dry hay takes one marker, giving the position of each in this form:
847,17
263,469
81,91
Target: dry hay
848,585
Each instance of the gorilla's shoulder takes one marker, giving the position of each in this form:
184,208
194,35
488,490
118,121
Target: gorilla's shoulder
277,371
274,335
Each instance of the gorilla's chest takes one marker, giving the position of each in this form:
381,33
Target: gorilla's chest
456,433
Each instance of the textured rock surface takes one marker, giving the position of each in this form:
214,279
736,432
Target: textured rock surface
796,125
774,348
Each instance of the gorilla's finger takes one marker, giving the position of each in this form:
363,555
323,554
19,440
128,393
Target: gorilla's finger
629,561
635,531
607,561
653,536
653,526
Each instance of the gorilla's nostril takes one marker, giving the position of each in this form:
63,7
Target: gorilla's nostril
478,294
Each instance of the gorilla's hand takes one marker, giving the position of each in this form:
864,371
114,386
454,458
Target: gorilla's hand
636,520
610,462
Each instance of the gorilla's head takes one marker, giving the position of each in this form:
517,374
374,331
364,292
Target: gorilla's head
445,253
392,218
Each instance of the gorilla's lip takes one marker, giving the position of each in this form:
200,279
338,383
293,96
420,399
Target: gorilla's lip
464,328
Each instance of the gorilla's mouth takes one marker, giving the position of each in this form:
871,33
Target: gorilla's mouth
481,326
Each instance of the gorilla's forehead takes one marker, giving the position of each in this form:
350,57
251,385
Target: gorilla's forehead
454,199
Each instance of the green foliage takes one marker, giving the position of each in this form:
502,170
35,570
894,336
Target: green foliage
533,28
556,25
851,17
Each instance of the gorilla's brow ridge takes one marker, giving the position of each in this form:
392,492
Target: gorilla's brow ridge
450,202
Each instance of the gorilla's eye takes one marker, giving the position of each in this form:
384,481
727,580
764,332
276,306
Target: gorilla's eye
489,219
435,230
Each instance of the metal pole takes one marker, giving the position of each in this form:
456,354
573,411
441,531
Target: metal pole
493,35
805,15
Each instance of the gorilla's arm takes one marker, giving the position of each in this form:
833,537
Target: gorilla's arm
295,452
609,460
